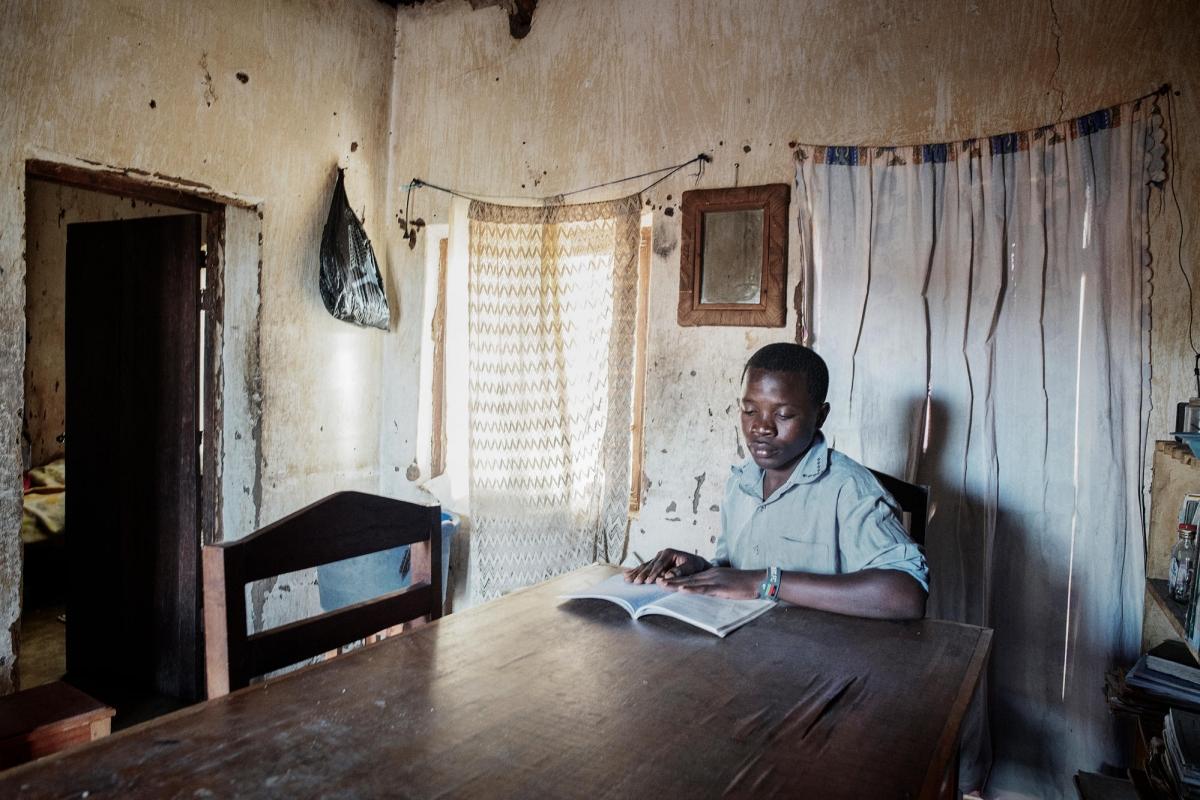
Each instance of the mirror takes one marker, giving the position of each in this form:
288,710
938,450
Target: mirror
733,256
731,263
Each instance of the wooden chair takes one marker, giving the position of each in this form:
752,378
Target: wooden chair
341,526
912,499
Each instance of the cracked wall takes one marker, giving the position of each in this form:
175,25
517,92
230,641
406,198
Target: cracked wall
50,208
599,91
258,101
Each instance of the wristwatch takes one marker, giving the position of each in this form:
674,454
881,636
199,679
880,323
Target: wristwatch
769,588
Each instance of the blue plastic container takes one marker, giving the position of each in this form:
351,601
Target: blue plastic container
1191,439
356,579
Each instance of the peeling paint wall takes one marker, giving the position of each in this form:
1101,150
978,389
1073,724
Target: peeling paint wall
49,209
260,100
254,100
602,90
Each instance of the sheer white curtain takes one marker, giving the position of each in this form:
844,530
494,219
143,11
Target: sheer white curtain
982,307
553,297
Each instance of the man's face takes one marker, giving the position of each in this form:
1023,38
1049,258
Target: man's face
779,418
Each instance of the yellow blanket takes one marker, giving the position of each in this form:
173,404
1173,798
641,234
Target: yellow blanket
45,513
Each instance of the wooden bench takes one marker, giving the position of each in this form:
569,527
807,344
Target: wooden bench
45,719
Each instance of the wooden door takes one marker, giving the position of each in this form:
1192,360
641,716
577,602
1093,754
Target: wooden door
132,341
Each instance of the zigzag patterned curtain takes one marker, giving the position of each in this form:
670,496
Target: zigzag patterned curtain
553,295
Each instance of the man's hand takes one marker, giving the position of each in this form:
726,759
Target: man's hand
735,584
666,565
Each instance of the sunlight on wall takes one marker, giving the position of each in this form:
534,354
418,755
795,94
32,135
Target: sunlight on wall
352,369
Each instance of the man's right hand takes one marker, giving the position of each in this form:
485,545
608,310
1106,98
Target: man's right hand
667,564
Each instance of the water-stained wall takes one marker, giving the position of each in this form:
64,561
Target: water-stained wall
259,100
602,90
252,101
49,209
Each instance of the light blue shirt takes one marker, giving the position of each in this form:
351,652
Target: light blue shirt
831,516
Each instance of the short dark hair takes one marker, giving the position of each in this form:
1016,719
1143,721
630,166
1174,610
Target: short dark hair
788,357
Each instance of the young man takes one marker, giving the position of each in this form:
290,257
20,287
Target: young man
800,522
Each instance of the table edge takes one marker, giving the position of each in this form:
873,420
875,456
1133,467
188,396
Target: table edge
943,750
947,746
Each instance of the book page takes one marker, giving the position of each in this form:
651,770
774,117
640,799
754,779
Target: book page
1173,668
714,614
631,596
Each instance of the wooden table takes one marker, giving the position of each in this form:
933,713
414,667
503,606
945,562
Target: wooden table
531,697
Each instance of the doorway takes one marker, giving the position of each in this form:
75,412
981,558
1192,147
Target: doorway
132,534
133,400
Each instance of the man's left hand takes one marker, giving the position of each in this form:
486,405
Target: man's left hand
735,584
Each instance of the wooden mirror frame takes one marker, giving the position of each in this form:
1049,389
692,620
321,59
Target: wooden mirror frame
771,310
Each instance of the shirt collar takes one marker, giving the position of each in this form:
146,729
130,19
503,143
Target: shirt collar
808,469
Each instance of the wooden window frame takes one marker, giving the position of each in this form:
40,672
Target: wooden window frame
437,433
637,440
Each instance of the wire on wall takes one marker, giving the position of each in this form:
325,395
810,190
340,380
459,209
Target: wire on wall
701,159
1179,260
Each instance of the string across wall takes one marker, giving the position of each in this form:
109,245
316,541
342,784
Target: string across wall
417,183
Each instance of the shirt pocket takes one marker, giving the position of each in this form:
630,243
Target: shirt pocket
805,555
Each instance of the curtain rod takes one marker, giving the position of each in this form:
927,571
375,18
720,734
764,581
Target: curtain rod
702,159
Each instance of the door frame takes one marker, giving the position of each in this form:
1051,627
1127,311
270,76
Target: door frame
230,372
212,302
214,375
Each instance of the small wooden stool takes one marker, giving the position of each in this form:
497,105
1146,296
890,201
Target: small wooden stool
45,719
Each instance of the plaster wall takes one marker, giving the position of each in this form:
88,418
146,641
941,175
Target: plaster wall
252,101
49,209
602,90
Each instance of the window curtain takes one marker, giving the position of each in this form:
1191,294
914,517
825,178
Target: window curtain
983,307
553,298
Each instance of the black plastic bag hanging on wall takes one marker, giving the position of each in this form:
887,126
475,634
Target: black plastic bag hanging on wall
351,286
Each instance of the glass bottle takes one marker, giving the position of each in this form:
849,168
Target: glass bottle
1183,564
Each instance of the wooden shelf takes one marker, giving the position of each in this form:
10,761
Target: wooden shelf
1176,612
1180,452
1176,472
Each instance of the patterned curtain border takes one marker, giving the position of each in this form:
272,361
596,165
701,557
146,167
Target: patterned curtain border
553,214
1001,144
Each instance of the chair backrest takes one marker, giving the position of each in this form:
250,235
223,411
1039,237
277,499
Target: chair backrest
341,526
912,499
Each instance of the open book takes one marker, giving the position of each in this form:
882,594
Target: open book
713,614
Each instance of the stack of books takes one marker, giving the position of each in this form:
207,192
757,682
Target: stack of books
1163,687
1165,676
1181,732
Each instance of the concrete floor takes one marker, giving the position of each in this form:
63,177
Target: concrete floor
44,660
43,653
